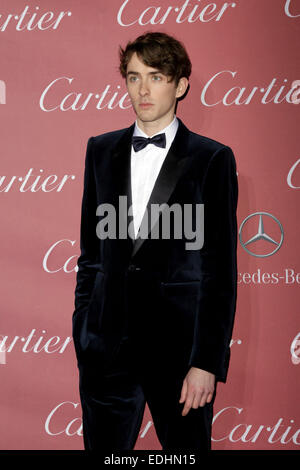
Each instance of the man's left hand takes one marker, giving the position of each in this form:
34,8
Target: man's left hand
197,389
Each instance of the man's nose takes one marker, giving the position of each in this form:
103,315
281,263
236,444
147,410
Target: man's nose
144,89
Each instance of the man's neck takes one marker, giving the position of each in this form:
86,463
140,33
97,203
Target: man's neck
153,127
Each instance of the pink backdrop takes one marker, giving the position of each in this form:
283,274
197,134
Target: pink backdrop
59,86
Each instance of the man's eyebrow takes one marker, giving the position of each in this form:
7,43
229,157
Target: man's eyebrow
132,72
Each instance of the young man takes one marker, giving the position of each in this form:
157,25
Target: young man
153,319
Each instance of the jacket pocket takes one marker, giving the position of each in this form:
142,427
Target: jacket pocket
179,288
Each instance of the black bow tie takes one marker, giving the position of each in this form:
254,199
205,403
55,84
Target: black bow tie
141,142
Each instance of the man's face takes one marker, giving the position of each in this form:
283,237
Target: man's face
153,97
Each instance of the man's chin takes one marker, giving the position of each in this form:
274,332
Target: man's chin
145,115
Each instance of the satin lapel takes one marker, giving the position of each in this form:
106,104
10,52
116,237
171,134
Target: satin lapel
170,172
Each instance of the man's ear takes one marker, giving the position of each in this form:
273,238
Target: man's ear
182,87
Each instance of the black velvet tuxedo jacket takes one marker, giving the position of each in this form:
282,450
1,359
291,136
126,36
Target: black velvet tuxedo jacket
177,305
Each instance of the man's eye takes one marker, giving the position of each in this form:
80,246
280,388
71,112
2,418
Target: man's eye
156,78
132,79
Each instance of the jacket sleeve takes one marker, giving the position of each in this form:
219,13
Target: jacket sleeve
87,261
218,258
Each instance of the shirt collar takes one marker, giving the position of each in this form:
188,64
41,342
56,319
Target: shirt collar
170,131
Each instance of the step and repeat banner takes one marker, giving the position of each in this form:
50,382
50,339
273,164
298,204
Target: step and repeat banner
59,85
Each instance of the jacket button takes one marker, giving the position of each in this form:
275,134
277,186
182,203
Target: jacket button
133,267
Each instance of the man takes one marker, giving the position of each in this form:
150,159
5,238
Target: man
153,319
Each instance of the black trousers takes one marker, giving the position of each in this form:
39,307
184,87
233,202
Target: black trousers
113,403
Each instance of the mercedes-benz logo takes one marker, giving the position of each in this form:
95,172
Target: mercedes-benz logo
261,234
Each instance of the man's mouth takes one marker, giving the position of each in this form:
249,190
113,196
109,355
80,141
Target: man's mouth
145,105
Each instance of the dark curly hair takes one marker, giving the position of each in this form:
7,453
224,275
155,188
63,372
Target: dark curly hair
160,51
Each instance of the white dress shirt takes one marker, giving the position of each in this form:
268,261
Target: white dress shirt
145,167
